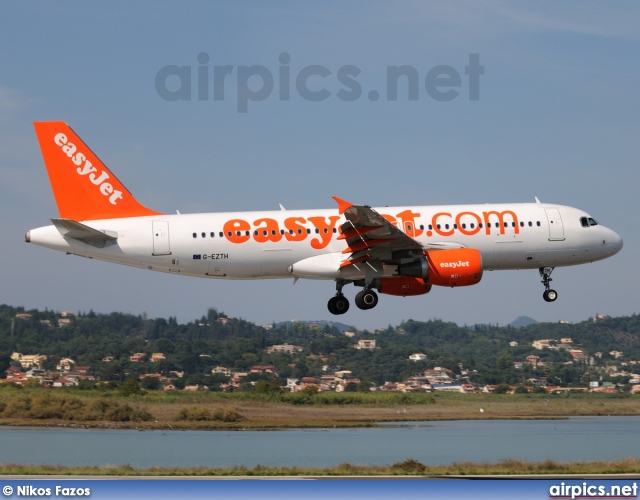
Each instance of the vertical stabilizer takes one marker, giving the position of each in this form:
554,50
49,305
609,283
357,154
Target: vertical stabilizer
83,187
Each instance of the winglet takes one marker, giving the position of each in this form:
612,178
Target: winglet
343,206
83,186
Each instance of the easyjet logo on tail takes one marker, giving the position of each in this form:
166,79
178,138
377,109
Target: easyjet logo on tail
86,168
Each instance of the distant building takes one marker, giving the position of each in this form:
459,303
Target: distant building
65,364
542,343
533,359
285,348
157,356
418,357
221,369
137,357
29,360
365,344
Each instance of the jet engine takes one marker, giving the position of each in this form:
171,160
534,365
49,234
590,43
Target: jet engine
451,267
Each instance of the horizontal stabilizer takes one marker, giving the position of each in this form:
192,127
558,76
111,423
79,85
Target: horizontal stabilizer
75,230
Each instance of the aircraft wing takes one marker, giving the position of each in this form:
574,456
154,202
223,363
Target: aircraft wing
369,236
75,230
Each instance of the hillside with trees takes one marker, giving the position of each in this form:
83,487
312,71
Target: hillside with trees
103,344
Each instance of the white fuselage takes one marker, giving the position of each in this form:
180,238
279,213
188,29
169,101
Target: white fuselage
256,245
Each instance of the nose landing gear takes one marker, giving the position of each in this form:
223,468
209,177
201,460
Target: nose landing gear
549,295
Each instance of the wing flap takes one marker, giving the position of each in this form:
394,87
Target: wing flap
370,236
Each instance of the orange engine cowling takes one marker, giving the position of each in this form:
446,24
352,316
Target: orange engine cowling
403,286
452,267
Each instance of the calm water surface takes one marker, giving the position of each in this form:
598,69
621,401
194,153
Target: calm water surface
432,443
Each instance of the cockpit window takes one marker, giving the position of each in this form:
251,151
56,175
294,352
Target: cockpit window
587,221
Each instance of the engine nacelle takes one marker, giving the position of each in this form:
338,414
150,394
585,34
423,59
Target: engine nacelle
403,286
452,267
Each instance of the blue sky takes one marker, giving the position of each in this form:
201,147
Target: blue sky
557,117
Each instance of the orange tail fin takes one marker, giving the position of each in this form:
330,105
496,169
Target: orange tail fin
84,188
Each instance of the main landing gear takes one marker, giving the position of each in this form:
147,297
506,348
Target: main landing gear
548,295
339,304
366,299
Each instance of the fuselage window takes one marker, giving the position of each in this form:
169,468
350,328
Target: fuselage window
308,231
213,234
455,226
472,225
538,223
326,230
438,226
299,231
464,226
521,224
273,232
422,227
431,227
204,235
281,231
335,230
446,226
222,234
317,231
195,235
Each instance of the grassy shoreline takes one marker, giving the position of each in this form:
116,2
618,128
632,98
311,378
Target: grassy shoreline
408,467
216,411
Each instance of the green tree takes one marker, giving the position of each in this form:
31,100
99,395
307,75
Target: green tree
151,383
502,389
130,388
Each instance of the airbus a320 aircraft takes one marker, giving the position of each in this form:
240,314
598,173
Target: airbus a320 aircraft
396,251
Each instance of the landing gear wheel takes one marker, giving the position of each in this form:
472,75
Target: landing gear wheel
550,295
338,304
366,299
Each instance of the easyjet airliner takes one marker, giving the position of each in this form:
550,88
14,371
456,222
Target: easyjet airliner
396,251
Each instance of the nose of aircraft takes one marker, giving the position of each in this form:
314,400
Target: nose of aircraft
614,241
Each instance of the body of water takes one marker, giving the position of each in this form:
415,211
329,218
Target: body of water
432,443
